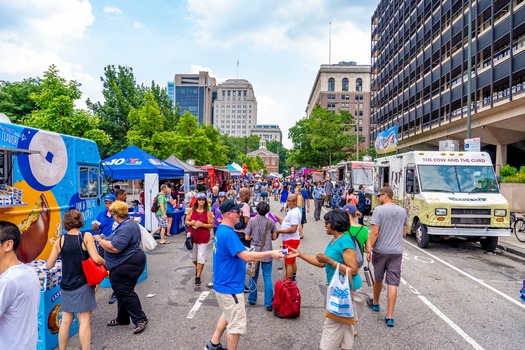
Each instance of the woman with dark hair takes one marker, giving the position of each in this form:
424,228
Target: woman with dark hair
125,262
199,220
351,198
340,250
260,232
217,214
77,295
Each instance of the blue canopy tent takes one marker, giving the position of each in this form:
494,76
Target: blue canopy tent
132,163
136,164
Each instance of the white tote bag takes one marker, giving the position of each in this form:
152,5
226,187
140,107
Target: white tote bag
147,242
339,296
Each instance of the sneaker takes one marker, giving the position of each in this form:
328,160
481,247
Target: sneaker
197,281
375,307
389,322
251,302
211,347
246,289
269,308
112,299
210,284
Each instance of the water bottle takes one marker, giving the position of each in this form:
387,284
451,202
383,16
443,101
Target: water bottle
368,275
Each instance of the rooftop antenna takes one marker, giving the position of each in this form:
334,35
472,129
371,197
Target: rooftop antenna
330,43
237,69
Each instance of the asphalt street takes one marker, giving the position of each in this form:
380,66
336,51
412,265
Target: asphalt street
452,296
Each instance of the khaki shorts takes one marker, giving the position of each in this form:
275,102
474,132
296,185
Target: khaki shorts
233,311
198,253
337,335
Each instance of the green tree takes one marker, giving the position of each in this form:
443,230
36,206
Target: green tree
218,150
56,109
121,94
192,141
252,143
322,139
15,98
170,113
278,148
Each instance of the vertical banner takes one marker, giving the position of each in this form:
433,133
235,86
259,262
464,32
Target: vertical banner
386,141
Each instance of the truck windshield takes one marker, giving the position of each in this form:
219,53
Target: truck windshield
457,178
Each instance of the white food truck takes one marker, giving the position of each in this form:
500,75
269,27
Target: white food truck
447,194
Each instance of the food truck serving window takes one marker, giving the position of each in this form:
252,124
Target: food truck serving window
457,178
88,186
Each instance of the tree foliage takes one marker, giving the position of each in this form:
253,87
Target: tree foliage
322,139
278,148
121,94
56,111
171,115
15,98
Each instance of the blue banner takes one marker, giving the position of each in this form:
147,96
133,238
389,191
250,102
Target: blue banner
386,141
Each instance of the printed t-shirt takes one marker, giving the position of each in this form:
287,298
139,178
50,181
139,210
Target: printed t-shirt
228,269
19,305
293,217
391,219
335,250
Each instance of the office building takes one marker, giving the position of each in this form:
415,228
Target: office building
344,86
193,93
171,91
235,108
268,132
420,73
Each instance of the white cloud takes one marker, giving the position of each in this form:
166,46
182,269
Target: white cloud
112,10
138,25
195,69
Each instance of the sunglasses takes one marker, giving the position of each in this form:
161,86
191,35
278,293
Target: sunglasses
201,199
380,194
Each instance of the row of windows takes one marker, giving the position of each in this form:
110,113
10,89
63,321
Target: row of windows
344,86
344,97
234,93
234,106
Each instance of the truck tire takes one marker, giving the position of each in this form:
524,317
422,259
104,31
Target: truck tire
422,236
489,243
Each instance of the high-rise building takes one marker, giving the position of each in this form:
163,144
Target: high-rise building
268,132
235,109
193,93
421,56
171,91
344,86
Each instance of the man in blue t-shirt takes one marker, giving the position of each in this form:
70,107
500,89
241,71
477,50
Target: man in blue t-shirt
229,271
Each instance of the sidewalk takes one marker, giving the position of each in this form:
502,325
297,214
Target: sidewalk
512,245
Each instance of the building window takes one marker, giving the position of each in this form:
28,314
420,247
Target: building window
331,84
359,85
345,84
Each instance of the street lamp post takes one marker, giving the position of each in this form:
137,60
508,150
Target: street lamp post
357,128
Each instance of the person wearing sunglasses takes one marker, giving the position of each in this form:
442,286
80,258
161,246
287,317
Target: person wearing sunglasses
199,221
229,271
389,226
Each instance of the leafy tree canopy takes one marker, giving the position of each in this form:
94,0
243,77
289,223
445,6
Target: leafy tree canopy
278,148
15,98
56,111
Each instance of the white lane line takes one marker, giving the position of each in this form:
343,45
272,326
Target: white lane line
475,279
197,304
451,323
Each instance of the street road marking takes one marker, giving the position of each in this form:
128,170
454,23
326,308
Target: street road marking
451,323
475,279
197,304
423,259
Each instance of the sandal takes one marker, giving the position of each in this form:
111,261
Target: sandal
164,242
140,327
114,322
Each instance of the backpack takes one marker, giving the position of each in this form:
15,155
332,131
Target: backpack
358,251
286,299
155,206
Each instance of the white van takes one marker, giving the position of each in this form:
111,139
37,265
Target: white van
447,194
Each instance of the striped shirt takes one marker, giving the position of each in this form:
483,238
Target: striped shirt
255,230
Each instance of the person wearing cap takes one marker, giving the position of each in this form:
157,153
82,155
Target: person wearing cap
199,221
104,220
229,269
137,207
161,214
217,215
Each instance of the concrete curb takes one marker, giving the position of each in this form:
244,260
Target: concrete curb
512,249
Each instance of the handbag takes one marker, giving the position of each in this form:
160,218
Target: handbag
339,296
147,242
189,242
251,267
94,273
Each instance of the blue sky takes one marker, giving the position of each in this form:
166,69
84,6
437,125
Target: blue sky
279,44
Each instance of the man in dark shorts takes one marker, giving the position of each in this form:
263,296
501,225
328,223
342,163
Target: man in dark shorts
389,226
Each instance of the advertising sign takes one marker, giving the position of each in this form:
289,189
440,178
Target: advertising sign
386,141
473,145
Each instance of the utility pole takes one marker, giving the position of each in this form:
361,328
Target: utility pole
469,80
357,127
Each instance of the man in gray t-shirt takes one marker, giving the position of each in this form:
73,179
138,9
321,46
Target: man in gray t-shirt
389,226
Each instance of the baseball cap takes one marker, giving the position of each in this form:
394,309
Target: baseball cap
135,201
222,194
350,209
192,187
109,197
201,195
229,205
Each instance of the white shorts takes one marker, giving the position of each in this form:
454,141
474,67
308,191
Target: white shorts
198,253
337,335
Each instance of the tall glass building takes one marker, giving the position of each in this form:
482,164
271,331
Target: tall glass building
420,59
194,93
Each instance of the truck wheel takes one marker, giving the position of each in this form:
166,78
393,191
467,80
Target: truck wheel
489,243
422,236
